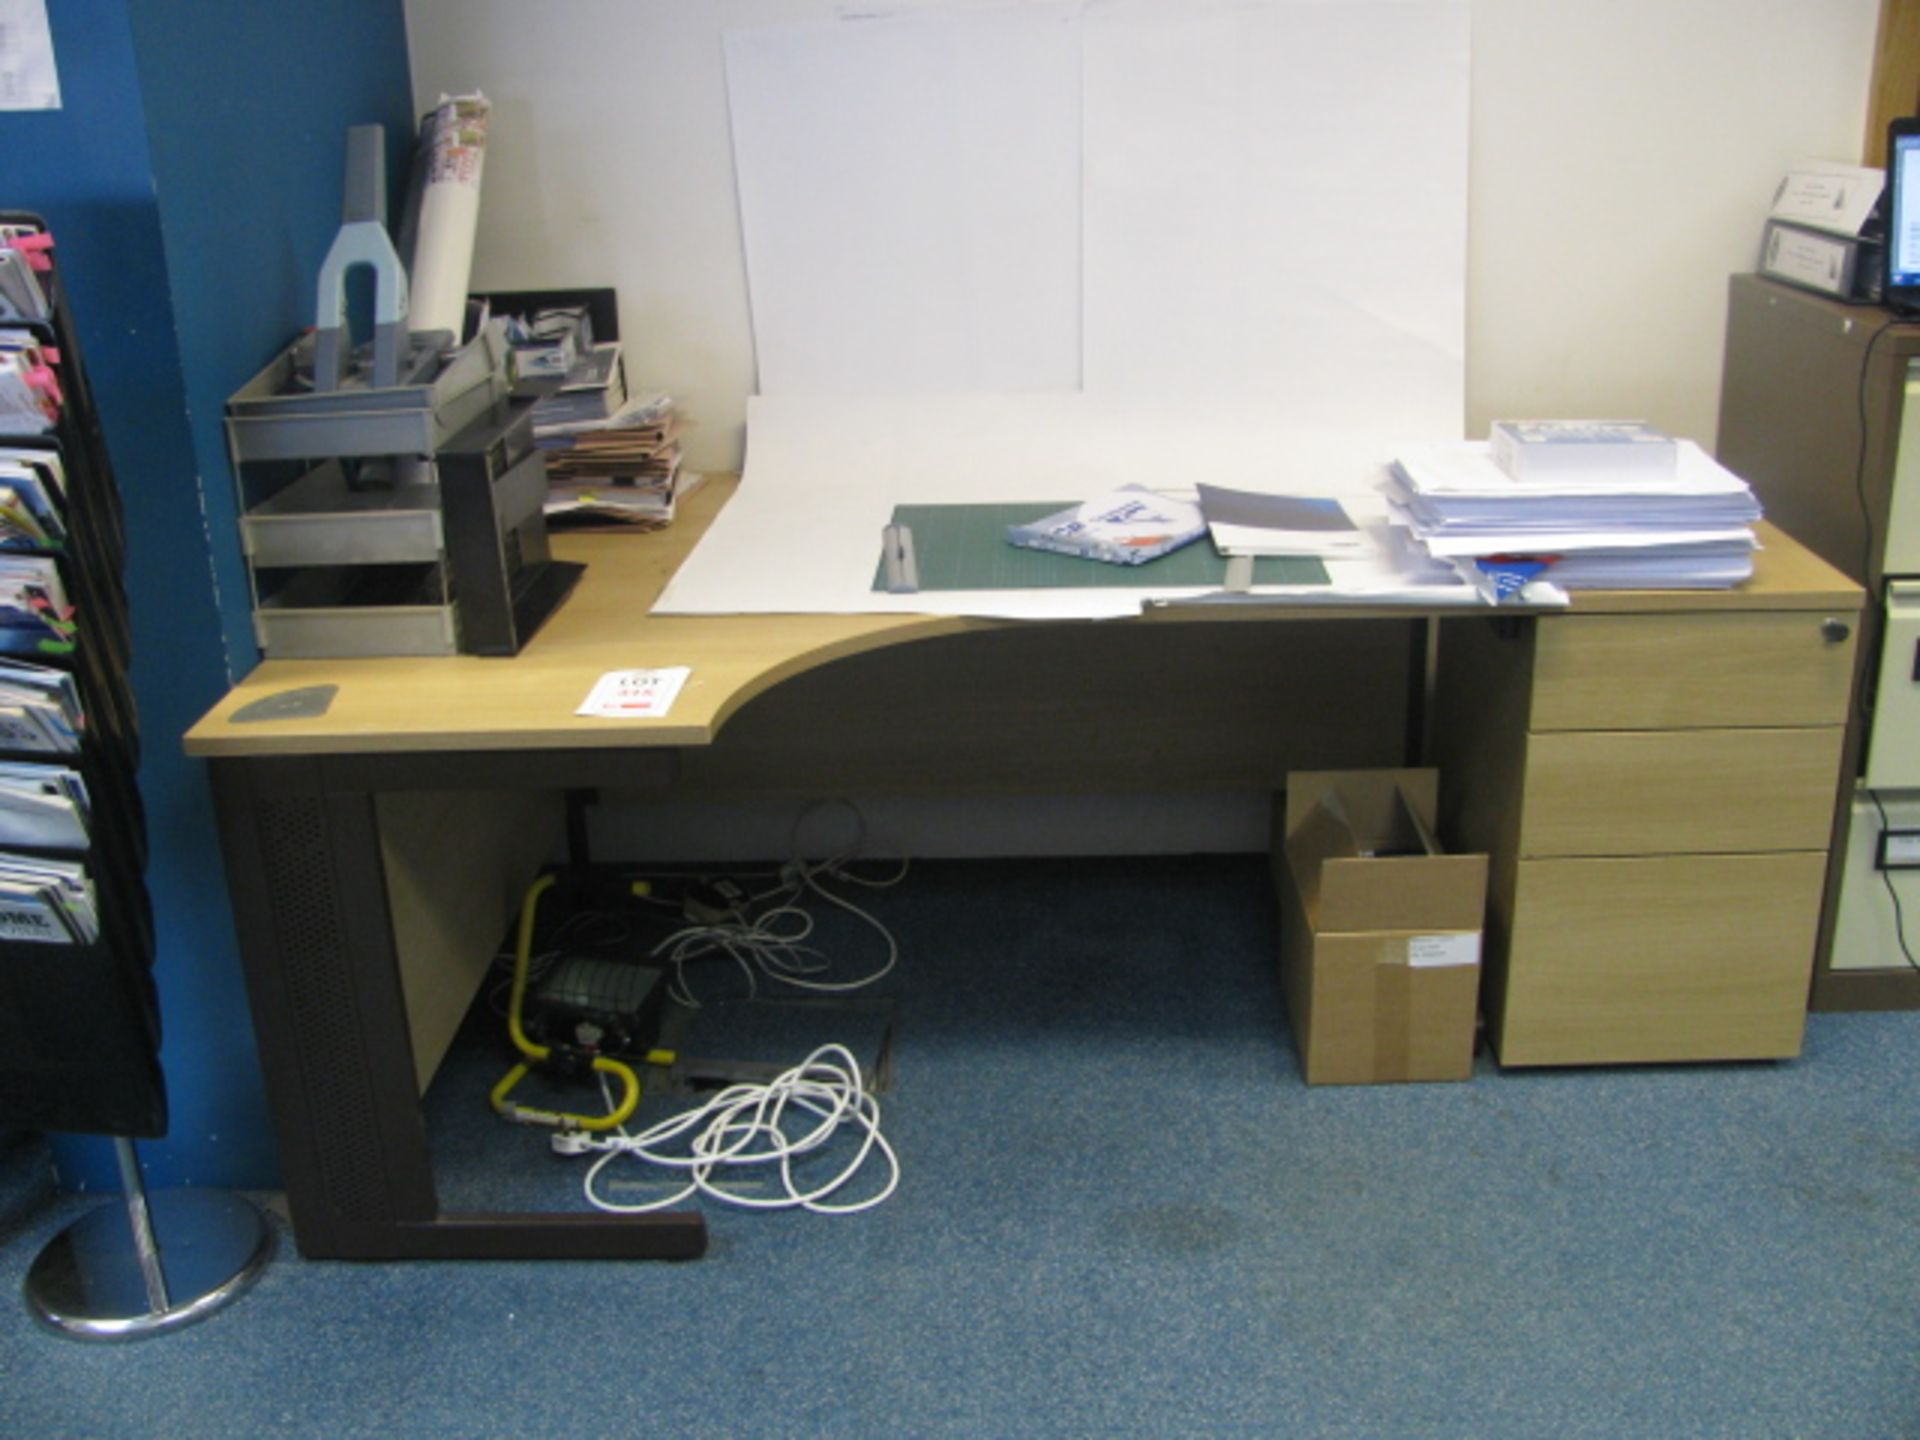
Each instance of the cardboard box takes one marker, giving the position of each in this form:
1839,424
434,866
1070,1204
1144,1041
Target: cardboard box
1380,929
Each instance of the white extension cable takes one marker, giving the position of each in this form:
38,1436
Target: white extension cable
771,941
756,1126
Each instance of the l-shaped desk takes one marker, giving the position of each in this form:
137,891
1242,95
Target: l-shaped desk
1652,774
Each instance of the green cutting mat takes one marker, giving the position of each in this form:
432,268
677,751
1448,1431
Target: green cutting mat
964,547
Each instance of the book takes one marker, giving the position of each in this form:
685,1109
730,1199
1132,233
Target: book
550,342
594,390
1127,526
1252,522
1535,449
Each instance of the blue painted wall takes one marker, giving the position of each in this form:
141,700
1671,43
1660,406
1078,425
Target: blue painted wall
247,110
192,179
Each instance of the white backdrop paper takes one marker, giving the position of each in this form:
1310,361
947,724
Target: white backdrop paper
909,199
1276,206
802,534
1236,228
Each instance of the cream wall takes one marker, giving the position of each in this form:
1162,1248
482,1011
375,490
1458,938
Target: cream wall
1622,156
1624,152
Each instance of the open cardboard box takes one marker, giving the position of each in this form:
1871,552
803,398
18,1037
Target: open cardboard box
1380,929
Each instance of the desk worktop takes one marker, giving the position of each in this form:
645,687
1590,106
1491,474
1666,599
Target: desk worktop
465,702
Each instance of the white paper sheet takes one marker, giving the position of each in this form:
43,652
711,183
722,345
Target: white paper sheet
1561,542
802,534
1276,206
909,199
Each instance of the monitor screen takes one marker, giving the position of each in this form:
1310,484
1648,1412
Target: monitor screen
1903,229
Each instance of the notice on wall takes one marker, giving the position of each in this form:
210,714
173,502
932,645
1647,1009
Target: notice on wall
28,80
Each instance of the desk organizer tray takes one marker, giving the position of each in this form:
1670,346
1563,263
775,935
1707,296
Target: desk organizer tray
268,418
358,611
321,519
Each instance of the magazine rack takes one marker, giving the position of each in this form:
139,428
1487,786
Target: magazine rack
83,1034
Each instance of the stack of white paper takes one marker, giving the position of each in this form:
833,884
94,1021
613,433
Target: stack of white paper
1692,529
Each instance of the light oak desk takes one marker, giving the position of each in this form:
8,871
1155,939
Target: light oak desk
1653,774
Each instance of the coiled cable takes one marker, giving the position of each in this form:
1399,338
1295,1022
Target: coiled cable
746,1128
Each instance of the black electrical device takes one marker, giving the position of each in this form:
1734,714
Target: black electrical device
597,1006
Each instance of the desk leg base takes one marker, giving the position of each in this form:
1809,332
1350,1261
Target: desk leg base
191,1253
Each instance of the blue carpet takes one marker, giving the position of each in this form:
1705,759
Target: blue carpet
1123,1214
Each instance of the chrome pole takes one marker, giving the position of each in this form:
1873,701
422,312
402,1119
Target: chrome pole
133,1186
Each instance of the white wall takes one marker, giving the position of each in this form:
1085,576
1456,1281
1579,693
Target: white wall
1623,152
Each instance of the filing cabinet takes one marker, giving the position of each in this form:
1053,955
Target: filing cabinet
1656,793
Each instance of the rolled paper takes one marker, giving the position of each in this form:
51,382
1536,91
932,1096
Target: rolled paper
449,213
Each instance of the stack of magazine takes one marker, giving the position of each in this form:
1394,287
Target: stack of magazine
44,802
75,932
44,806
1584,504
622,469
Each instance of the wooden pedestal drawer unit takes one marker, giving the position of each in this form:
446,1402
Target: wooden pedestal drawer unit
1657,793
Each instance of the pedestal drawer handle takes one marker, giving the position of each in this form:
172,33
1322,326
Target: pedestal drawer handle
1834,631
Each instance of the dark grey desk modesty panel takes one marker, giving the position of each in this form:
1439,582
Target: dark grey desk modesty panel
303,854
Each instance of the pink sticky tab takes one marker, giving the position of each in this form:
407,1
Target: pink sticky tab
37,248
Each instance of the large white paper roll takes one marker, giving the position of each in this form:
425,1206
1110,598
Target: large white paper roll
449,213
